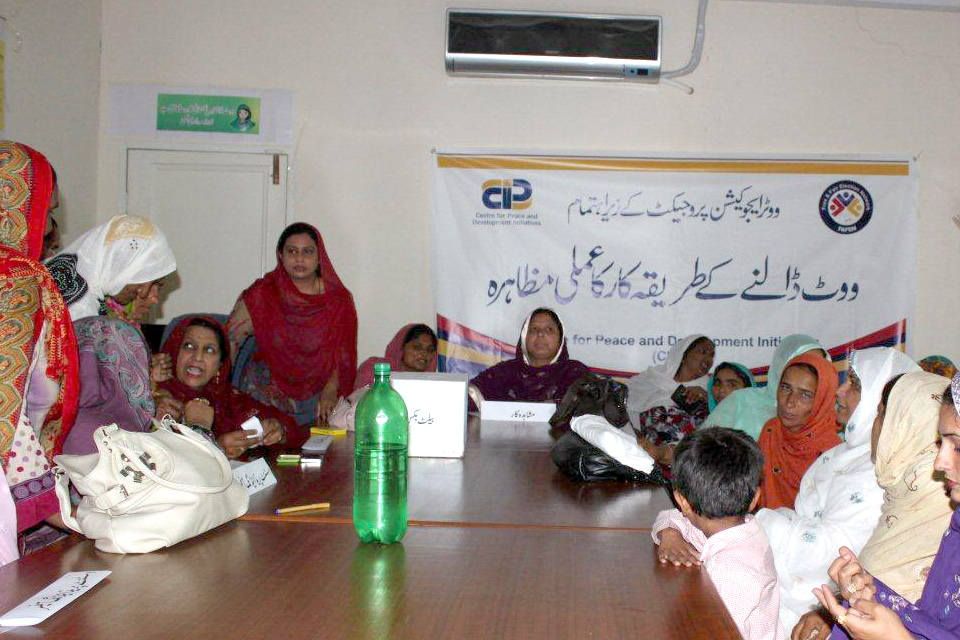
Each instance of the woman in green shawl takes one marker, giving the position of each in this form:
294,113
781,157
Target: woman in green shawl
749,409
727,377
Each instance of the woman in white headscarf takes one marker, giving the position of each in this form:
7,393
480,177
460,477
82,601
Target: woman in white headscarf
114,269
839,499
668,401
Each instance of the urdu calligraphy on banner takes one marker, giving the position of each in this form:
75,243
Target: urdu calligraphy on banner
824,247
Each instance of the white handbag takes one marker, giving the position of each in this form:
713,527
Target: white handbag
146,491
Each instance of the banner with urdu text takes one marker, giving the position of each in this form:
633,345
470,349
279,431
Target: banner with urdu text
636,253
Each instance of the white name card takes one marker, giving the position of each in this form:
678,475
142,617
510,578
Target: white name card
41,606
437,410
255,476
517,411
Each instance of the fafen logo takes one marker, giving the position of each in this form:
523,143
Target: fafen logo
507,194
846,206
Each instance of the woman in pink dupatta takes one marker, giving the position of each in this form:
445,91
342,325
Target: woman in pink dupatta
38,350
414,348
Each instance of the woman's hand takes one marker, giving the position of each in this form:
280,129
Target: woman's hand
161,367
167,405
694,395
854,581
327,402
865,620
675,550
661,454
198,412
235,443
813,625
272,432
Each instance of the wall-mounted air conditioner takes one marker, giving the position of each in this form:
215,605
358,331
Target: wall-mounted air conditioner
555,45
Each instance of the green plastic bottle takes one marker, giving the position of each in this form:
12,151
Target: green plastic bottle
380,462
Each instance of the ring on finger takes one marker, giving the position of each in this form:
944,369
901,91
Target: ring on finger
851,588
842,619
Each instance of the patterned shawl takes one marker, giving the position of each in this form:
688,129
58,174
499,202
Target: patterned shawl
26,185
393,355
516,381
114,381
788,454
101,262
916,508
231,406
38,350
304,338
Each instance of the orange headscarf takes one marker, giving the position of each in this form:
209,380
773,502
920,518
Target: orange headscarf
788,454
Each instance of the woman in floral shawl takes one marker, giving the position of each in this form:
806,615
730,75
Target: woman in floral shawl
38,350
114,381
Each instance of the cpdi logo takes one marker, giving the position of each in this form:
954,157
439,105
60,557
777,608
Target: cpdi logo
507,194
846,207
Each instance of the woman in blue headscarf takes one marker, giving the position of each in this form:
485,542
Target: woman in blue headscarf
727,378
749,409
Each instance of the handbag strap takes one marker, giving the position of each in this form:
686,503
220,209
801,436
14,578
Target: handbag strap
196,440
63,497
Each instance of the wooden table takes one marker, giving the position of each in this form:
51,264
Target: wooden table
281,580
505,478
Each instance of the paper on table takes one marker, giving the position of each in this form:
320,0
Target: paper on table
47,602
613,442
517,411
254,476
316,445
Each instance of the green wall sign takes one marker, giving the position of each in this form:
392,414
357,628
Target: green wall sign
218,114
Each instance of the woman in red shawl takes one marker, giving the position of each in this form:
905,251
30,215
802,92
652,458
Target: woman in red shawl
414,348
199,391
805,426
38,350
305,326
542,369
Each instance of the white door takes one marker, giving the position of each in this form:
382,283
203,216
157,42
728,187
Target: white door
221,212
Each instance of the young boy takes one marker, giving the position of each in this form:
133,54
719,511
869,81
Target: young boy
716,479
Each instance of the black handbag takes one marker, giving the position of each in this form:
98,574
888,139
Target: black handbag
593,394
578,459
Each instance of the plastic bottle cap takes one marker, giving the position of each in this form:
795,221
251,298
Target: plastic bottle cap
381,367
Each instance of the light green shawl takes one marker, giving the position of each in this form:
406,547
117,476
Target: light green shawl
749,409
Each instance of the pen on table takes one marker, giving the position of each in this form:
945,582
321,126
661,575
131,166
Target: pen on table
306,507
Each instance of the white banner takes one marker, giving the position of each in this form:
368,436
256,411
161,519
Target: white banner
634,254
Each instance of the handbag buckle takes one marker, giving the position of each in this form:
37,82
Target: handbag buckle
146,459
137,475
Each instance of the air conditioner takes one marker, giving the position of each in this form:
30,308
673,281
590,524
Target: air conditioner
555,45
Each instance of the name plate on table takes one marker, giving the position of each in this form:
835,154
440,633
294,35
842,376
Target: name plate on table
517,411
437,409
254,476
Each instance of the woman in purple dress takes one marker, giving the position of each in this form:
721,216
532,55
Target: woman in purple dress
542,369
873,610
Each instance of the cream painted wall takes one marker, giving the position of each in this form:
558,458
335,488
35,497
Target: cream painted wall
372,100
53,96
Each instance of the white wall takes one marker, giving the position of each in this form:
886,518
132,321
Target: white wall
53,96
372,100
